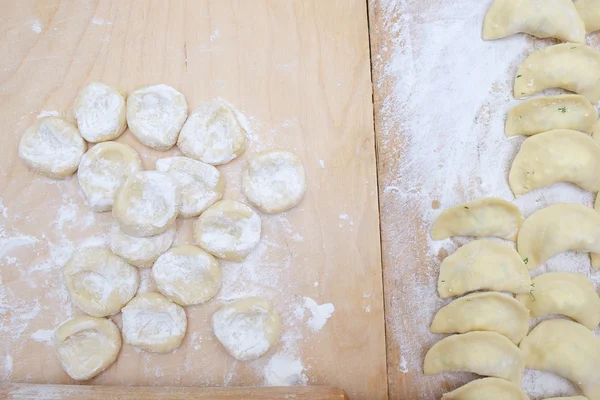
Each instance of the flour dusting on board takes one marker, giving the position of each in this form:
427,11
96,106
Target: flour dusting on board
444,96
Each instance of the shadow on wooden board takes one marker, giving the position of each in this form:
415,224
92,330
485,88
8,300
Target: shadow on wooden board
24,391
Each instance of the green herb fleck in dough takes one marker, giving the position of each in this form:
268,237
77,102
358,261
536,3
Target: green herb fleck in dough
526,260
563,109
518,76
466,208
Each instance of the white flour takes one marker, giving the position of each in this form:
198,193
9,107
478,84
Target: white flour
319,313
282,370
444,94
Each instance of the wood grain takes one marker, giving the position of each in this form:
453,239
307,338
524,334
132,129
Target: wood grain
300,72
21,391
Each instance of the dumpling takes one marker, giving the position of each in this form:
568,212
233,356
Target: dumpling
564,293
569,66
483,264
595,257
488,389
554,19
560,155
487,311
568,349
542,114
488,216
483,353
558,228
589,11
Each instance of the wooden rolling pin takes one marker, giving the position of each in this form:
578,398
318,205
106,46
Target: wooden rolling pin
26,391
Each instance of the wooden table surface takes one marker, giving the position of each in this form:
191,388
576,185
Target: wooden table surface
300,72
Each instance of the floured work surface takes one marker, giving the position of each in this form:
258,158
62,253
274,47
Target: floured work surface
441,98
299,71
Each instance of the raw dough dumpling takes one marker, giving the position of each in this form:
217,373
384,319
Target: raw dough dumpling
102,171
542,114
154,323
100,112
155,115
187,275
568,349
488,216
487,389
569,66
147,203
86,346
558,228
228,230
201,184
213,134
595,257
140,251
247,327
487,311
483,264
589,11
483,353
274,181
556,156
552,19
52,147
99,282
564,293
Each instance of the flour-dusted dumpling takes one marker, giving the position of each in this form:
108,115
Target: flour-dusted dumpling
86,346
155,115
589,11
556,156
187,275
595,257
201,184
228,230
99,282
542,114
102,171
564,293
483,264
488,216
552,19
247,327
487,389
487,311
100,112
52,147
213,134
483,353
567,349
558,228
274,181
140,251
147,203
154,323
570,66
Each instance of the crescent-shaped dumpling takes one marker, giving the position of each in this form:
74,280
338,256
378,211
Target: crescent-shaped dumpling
554,19
486,311
564,293
560,155
589,11
567,349
542,114
558,228
487,216
595,257
488,389
483,264
569,66
483,353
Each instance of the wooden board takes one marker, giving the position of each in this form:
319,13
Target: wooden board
300,72
24,391
441,95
